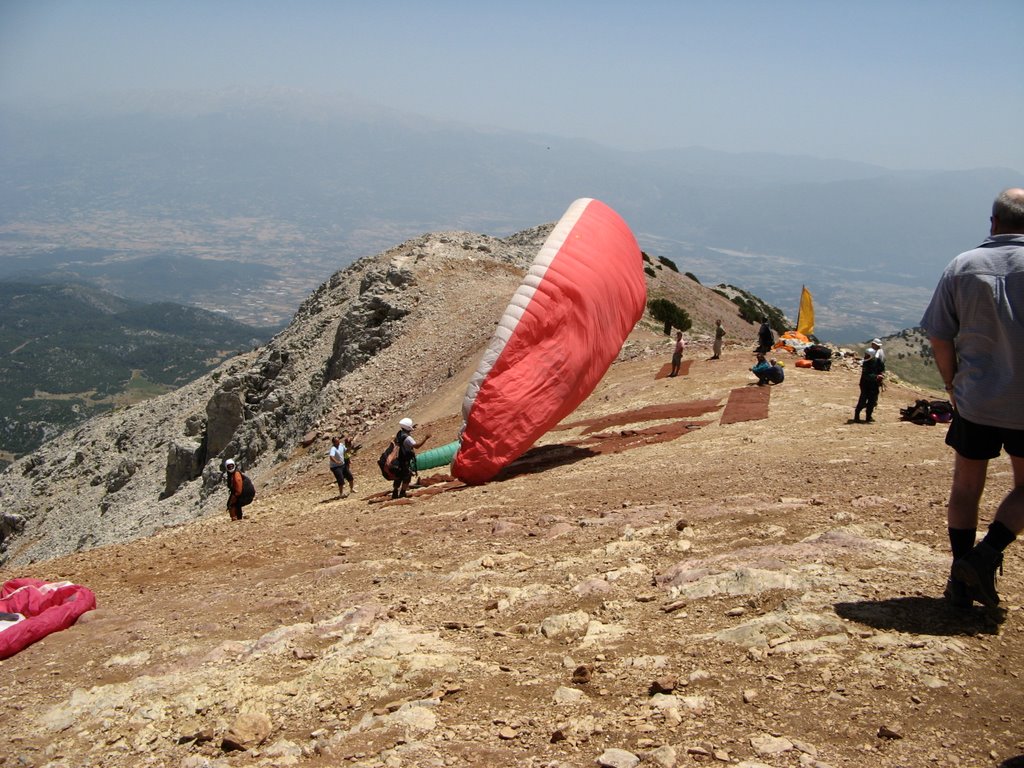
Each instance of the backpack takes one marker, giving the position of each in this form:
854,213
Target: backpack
248,491
821,365
918,413
940,411
387,460
817,352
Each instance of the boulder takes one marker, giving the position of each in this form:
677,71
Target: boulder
224,413
184,463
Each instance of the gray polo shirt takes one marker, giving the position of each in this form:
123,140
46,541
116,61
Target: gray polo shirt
979,305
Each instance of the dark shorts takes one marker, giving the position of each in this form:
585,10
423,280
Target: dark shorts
980,442
341,473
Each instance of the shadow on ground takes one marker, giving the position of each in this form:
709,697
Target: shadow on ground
544,457
921,616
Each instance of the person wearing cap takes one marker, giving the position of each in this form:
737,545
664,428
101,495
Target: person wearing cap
405,463
871,375
974,324
876,344
767,372
234,490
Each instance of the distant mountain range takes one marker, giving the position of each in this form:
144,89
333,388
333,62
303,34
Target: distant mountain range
304,185
71,351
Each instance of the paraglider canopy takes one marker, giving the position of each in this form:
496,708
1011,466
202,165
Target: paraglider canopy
805,317
564,326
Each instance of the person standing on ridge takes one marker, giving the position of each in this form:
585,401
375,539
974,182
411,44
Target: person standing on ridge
677,354
872,372
338,462
405,463
719,335
235,485
975,323
765,337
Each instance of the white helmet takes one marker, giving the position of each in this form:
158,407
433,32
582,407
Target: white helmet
229,464
406,424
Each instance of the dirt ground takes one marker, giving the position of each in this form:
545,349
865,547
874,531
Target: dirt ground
647,579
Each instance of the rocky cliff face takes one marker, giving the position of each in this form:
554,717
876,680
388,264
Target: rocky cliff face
354,352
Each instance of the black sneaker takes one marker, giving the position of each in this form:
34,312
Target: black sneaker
978,571
957,594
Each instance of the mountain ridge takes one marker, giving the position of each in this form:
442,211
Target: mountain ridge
263,405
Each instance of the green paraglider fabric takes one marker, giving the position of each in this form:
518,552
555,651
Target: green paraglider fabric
437,457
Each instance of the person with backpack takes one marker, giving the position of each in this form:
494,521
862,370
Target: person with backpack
241,491
404,464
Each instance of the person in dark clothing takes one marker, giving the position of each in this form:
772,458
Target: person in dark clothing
405,463
871,370
765,338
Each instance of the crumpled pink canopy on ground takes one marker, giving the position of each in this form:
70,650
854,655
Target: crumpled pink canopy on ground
38,608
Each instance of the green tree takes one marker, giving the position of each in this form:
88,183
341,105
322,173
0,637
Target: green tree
668,263
671,314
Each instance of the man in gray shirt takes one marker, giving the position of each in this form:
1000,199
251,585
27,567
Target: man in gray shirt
975,323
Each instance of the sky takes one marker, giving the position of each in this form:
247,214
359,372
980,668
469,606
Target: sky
898,83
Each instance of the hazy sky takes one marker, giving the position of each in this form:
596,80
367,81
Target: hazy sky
906,84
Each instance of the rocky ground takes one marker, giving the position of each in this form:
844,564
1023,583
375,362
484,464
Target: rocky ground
762,593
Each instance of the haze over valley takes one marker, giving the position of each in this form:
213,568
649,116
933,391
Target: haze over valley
243,201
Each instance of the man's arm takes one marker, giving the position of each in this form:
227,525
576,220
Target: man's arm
945,360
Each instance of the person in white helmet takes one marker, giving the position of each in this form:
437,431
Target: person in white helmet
405,464
235,488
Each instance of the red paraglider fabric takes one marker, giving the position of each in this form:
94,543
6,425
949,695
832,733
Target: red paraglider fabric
564,327
43,608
